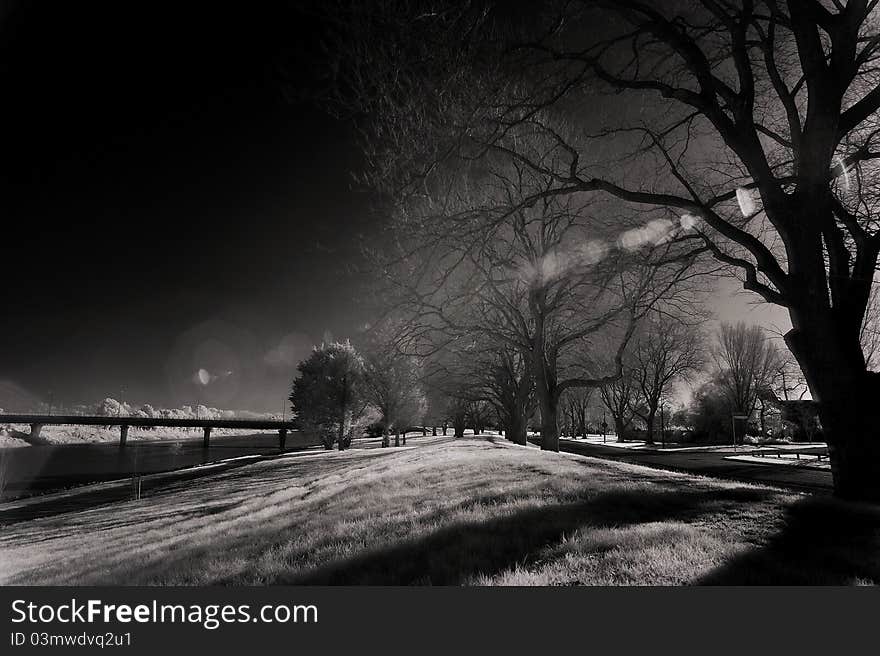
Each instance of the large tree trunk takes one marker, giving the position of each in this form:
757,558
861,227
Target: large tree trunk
620,429
548,402
457,427
544,372
854,452
549,429
518,411
340,438
847,396
649,422
762,416
516,429
851,422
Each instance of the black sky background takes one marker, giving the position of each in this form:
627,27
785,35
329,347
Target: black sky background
164,207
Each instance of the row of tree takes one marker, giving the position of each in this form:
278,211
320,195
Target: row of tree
340,392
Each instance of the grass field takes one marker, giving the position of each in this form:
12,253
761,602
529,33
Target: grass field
462,512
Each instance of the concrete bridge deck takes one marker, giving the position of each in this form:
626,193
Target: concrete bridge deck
36,422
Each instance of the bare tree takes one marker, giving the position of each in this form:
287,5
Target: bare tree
620,397
576,408
748,362
667,352
509,388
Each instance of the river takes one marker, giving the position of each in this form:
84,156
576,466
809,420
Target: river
35,469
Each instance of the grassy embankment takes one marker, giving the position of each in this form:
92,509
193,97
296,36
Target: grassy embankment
462,512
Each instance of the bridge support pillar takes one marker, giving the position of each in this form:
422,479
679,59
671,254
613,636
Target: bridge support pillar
282,438
35,429
123,434
207,440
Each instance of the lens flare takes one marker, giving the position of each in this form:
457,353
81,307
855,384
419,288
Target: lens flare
746,202
689,221
203,376
655,232
845,171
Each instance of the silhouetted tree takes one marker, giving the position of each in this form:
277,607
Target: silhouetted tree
620,397
511,391
748,362
483,370
575,408
666,352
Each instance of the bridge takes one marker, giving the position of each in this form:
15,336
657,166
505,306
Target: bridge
37,422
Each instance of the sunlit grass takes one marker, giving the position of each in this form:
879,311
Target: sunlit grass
464,512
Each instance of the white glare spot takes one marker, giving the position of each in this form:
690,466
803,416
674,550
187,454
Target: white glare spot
203,376
746,202
556,264
689,221
592,252
844,171
654,232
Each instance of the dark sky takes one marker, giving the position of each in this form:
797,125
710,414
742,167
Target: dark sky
164,208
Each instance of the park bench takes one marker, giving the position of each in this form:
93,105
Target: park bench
818,452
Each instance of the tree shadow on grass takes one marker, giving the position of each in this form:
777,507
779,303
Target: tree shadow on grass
823,542
455,554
